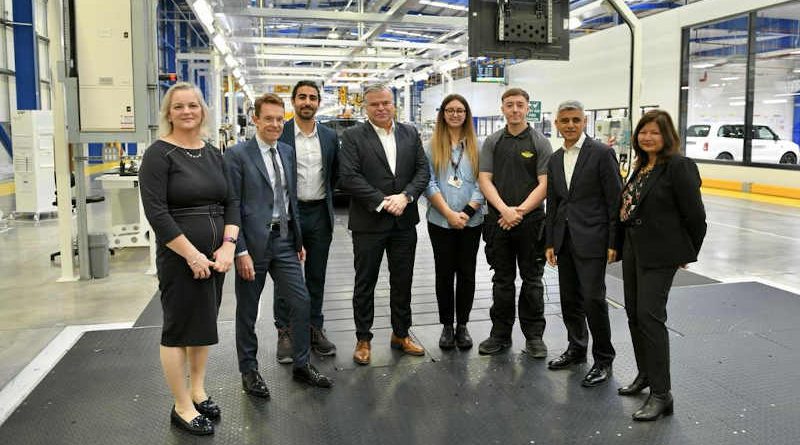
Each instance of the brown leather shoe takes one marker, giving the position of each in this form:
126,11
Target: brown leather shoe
408,346
362,353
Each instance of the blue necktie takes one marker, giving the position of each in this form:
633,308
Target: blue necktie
278,192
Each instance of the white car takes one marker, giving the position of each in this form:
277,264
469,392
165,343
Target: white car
725,142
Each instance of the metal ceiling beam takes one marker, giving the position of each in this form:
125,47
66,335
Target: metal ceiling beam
312,58
347,43
305,15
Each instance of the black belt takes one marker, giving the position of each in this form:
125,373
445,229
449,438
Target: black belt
311,203
209,210
276,225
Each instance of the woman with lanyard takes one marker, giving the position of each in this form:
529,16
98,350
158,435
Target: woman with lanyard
454,217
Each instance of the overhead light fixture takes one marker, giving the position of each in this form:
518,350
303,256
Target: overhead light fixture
774,101
701,66
221,44
729,78
736,98
237,73
230,61
204,13
333,35
575,23
446,5
736,104
787,94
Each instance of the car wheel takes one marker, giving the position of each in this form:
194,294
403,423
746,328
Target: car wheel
725,157
788,158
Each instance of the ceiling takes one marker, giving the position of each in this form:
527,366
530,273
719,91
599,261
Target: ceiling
350,42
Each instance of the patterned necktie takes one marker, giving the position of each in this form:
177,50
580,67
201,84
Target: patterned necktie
278,193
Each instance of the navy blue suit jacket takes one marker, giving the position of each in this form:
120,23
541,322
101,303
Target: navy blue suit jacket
251,191
329,142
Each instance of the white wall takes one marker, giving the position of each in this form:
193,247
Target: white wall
598,71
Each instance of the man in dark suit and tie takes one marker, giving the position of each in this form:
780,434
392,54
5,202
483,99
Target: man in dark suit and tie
383,167
583,198
261,173
316,148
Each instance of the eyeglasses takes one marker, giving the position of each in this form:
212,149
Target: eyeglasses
455,111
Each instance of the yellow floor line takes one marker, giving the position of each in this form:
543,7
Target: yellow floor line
753,197
8,188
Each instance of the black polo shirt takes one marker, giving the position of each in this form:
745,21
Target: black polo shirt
515,162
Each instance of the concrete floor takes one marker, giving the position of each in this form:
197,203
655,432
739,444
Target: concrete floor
746,241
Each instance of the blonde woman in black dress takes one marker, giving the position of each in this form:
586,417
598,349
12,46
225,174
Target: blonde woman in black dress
185,197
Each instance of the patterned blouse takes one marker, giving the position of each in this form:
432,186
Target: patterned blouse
632,193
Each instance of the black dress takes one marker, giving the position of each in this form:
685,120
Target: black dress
186,192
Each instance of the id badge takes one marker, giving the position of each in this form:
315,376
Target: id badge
455,182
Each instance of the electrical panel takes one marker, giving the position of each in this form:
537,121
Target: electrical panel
104,54
34,163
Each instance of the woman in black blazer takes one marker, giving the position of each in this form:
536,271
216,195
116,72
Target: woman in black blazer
665,223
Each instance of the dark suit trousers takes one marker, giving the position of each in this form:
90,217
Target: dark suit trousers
646,292
455,254
317,236
583,298
281,261
521,246
368,247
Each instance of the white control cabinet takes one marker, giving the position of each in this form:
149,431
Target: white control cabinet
34,165
105,65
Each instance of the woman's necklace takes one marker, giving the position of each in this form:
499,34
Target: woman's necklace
192,155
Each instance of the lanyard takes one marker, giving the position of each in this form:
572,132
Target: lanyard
458,162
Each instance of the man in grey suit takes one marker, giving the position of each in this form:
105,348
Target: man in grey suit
316,148
263,184
384,169
583,200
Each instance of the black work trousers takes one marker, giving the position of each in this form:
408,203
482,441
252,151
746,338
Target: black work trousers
646,292
454,254
368,248
521,246
583,298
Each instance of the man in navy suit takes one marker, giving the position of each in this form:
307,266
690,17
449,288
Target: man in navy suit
583,199
384,168
263,184
316,148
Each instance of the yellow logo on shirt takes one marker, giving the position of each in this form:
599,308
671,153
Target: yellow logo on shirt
527,154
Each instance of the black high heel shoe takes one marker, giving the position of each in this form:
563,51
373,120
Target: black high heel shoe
208,408
199,426
657,405
638,385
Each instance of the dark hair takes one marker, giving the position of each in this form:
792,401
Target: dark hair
672,142
267,98
305,83
515,92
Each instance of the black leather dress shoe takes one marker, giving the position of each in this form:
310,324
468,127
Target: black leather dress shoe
638,385
448,339
254,385
208,408
657,405
309,374
199,426
566,360
596,376
463,339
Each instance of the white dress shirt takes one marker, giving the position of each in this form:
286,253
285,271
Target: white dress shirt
310,172
264,147
389,148
571,158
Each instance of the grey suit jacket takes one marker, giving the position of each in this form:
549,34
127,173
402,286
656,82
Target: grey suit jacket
329,143
251,191
366,176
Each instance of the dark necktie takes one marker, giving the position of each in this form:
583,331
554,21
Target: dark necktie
278,193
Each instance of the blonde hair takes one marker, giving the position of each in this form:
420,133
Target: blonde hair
442,146
164,125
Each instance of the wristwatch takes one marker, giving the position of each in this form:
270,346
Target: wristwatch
408,197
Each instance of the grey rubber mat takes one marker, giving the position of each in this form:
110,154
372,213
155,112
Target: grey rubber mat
682,278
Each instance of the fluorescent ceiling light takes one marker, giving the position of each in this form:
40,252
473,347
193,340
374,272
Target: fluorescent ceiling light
796,70
774,101
221,44
230,61
787,94
354,79
237,73
575,23
409,33
736,104
736,98
729,78
204,13
439,4
703,65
